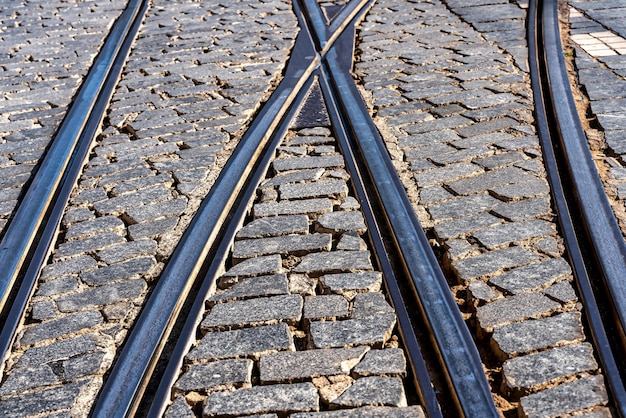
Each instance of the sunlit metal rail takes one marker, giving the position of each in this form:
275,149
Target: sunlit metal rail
596,248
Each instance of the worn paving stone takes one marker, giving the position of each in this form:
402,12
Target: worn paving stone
57,351
289,366
217,375
293,177
334,262
532,276
458,207
465,225
514,308
565,398
482,292
282,245
123,271
325,307
493,261
27,378
342,221
562,291
263,399
527,336
258,311
375,391
367,412
325,161
270,264
275,226
525,372
307,206
370,304
370,330
490,180
101,295
387,362
323,188
248,342
495,237
272,285
179,409
61,327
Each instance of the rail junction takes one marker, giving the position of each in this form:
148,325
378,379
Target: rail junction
313,208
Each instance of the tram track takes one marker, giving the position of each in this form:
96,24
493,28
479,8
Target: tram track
597,249
143,379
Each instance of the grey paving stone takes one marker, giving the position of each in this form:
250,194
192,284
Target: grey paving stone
95,226
351,241
263,399
427,138
532,276
370,304
286,244
270,264
325,161
121,203
532,335
152,229
43,401
101,295
331,188
524,209
464,155
562,291
248,342
93,243
275,226
23,379
259,311
217,375
490,180
565,398
179,409
56,351
445,174
59,327
427,151
141,183
497,236
342,221
145,213
523,190
61,285
493,261
83,365
388,362
526,372
276,284
375,391
349,284
370,331
325,307
289,366
127,251
462,205
308,206
334,262
367,412
117,272
514,308
465,225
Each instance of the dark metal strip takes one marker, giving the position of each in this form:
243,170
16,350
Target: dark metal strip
544,41
50,189
122,390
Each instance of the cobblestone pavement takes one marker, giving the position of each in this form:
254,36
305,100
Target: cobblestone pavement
195,76
598,34
448,87
47,48
453,102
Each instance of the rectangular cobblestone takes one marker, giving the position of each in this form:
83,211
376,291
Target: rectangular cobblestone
259,311
493,262
532,276
369,331
60,327
367,412
309,206
93,243
217,375
331,188
286,244
490,180
497,236
101,296
334,262
308,162
513,309
117,272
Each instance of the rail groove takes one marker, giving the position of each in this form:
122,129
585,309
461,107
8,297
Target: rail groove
598,249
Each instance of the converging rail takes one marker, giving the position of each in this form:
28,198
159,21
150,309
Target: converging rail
131,374
596,249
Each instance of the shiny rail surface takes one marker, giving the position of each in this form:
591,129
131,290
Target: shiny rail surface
29,236
570,167
125,388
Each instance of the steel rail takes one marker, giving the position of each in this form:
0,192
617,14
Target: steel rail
559,128
122,391
30,234
453,341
